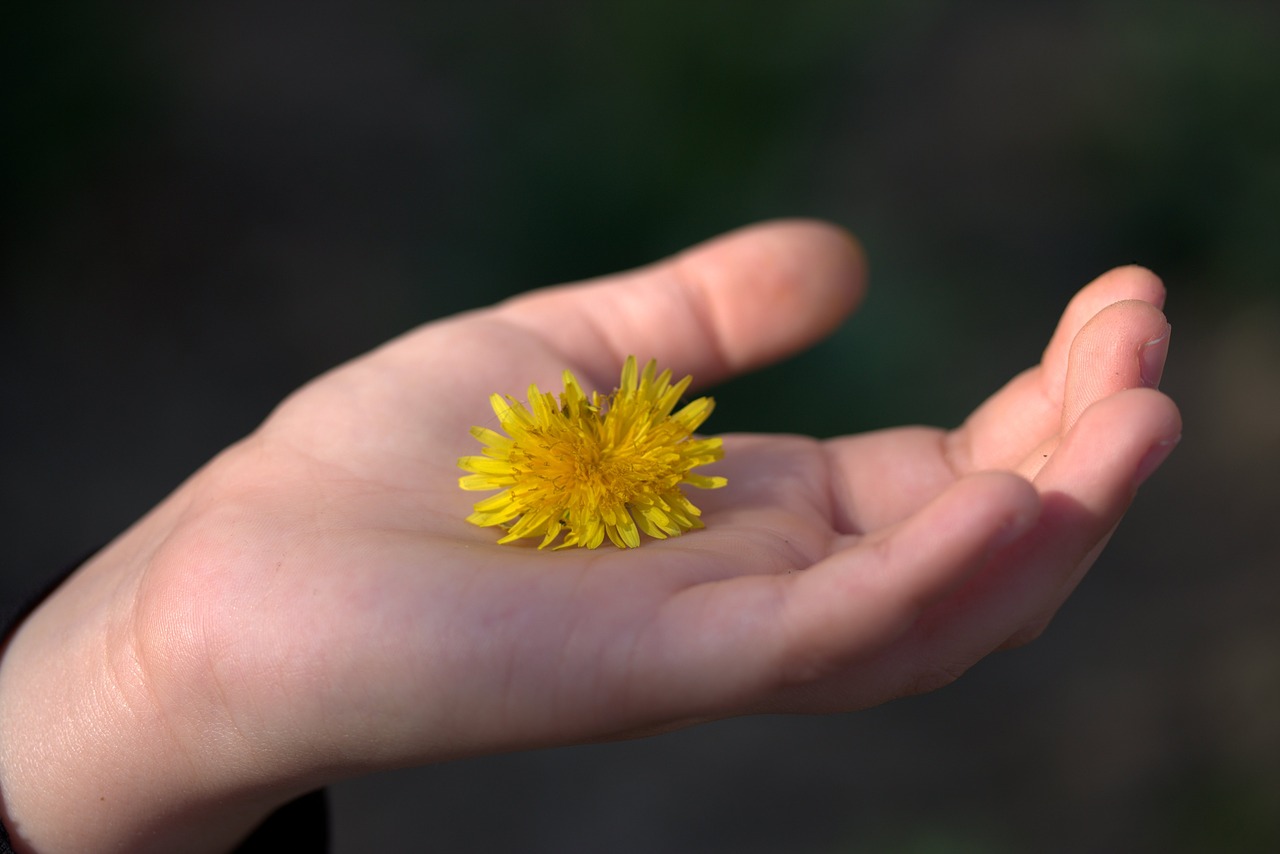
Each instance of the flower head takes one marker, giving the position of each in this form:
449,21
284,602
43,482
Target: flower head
605,466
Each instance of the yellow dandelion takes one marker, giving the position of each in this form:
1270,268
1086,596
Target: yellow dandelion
608,466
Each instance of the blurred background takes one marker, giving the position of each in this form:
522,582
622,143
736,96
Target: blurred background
205,205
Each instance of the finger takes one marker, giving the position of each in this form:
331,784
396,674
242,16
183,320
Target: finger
1013,423
853,604
1121,347
734,303
1089,483
1086,488
875,480
1118,285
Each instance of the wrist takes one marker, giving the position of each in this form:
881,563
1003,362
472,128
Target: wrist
92,756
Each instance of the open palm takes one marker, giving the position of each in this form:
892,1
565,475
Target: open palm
314,599
831,575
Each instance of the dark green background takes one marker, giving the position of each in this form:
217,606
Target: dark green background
207,204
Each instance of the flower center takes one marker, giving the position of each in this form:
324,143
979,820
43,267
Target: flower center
585,473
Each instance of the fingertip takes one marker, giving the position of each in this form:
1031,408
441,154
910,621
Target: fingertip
1121,284
1152,357
1123,346
1127,282
736,302
1136,282
771,289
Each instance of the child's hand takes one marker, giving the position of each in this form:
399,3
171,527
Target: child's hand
312,604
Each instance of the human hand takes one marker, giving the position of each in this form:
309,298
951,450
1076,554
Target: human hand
311,605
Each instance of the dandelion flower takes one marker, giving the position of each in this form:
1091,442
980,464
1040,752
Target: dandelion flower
605,466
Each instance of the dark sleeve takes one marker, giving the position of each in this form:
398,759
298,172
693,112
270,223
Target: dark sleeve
300,827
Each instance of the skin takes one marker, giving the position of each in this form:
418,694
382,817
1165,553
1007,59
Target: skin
311,606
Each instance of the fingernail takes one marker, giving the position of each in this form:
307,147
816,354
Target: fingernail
1158,453
1151,358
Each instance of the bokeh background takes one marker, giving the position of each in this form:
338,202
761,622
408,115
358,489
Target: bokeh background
205,205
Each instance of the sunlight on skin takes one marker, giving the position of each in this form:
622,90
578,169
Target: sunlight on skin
312,604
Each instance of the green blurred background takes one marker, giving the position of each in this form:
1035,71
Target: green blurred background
207,204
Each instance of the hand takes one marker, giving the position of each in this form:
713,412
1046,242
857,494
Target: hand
311,604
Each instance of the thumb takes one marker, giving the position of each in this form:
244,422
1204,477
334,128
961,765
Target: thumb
734,303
